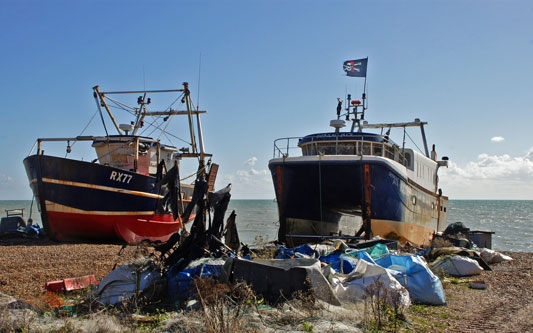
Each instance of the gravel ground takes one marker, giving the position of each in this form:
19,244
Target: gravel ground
26,265
504,306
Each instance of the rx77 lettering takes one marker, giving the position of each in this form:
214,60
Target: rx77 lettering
120,177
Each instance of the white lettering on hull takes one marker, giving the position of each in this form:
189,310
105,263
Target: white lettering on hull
120,177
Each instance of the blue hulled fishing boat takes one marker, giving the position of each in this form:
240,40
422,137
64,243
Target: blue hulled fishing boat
357,182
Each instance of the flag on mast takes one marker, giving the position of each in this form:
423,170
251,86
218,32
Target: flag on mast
355,68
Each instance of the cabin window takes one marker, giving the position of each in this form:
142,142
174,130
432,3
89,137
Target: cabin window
349,148
366,148
377,149
389,152
308,149
346,149
327,149
408,160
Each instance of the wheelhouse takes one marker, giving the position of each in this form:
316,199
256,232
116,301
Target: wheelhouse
134,153
347,143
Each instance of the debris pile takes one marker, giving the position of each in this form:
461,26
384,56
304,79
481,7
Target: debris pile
336,272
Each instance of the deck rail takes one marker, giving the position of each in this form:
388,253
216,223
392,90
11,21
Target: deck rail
283,146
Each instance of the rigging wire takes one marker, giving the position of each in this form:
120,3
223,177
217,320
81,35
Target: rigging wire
164,129
125,106
101,115
169,108
131,110
90,120
413,142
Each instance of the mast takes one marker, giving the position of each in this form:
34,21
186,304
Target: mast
189,116
197,144
140,114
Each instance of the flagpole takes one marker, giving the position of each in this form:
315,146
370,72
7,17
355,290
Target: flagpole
364,89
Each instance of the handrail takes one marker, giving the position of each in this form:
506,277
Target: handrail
279,151
282,148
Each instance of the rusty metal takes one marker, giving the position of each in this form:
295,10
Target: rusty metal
367,209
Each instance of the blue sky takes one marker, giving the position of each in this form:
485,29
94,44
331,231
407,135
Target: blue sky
273,69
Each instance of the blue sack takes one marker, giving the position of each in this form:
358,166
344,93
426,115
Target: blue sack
363,255
331,257
344,264
285,253
179,284
413,273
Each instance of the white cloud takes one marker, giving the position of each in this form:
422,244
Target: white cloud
497,139
5,179
250,183
490,177
251,161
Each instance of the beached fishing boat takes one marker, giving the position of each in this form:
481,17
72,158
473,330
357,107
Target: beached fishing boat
357,182
132,191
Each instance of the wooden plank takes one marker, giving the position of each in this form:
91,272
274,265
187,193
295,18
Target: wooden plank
212,177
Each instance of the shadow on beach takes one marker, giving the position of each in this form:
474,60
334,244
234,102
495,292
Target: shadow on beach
45,241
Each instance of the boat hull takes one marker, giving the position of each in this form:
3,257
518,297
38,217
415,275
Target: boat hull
87,201
326,195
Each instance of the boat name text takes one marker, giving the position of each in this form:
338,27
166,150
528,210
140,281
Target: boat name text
120,177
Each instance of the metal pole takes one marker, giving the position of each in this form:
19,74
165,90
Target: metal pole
136,161
141,91
189,115
424,139
101,95
200,136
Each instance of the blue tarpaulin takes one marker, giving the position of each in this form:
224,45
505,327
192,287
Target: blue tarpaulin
306,250
344,264
180,286
413,273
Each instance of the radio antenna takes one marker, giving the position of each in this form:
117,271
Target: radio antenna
144,79
199,76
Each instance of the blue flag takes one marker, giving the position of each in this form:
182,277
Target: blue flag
355,68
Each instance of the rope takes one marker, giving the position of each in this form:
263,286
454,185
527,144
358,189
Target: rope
194,174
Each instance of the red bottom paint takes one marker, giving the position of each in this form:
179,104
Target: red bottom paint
130,228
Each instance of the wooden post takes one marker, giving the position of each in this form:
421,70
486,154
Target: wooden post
135,162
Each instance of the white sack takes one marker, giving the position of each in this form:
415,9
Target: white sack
493,257
456,266
352,288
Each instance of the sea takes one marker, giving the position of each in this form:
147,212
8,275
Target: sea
257,220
